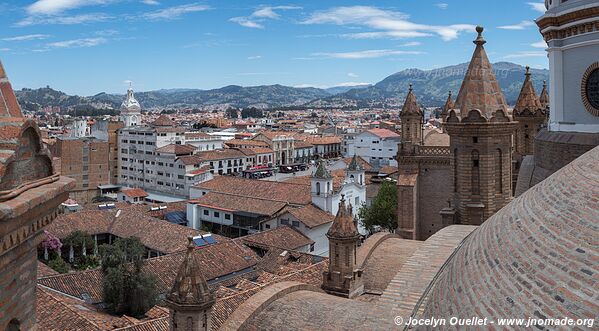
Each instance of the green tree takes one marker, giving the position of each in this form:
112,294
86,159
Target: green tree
127,289
58,265
383,211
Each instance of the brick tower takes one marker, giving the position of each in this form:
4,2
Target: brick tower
30,193
531,117
343,277
544,98
449,105
412,119
481,142
190,300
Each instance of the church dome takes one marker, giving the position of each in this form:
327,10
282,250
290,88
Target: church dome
130,105
537,257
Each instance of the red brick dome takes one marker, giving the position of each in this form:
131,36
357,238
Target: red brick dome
537,257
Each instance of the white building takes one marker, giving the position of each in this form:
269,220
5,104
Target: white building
377,146
130,110
203,141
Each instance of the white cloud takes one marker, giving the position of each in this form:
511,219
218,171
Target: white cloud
63,20
27,37
526,54
150,2
411,44
53,7
172,13
256,19
539,44
537,6
244,21
84,42
386,23
255,57
442,5
368,54
352,75
4,49
520,26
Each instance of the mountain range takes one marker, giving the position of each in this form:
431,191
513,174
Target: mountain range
431,88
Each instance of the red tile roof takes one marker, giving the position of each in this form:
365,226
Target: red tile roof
176,149
226,202
283,237
311,215
134,193
259,189
383,133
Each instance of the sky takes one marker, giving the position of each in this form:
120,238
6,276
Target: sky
86,47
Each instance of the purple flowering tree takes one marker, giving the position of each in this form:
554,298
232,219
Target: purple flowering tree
50,244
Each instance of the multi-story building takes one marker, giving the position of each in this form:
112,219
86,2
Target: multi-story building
87,161
108,131
377,146
282,144
203,141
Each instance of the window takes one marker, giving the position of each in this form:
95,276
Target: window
206,212
267,226
227,216
216,214
312,247
475,179
499,172
284,222
295,224
317,188
475,140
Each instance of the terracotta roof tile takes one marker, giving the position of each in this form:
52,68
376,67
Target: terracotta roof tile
230,203
283,237
311,215
134,193
383,133
176,149
259,189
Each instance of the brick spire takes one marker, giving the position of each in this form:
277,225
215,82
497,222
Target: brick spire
528,97
343,225
410,106
9,107
480,89
544,98
190,288
449,105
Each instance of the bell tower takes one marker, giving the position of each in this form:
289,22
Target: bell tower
190,300
480,134
343,277
130,110
412,119
321,188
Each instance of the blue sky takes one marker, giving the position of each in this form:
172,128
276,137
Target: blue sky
90,46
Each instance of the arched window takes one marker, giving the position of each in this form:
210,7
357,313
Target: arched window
499,172
475,176
317,188
347,257
328,187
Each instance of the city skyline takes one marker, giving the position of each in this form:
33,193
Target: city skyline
89,46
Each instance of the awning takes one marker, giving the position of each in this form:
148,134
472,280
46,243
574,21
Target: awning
109,187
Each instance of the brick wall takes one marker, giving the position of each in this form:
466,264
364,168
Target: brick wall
434,188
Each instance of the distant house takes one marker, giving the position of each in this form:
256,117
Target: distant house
132,195
378,147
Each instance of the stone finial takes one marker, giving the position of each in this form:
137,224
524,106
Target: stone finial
480,40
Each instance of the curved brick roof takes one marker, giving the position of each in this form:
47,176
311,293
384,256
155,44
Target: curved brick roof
536,257
190,287
343,225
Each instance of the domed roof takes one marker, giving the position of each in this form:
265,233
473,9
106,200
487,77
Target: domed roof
130,105
537,257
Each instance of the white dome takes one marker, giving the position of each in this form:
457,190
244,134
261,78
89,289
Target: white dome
130,105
